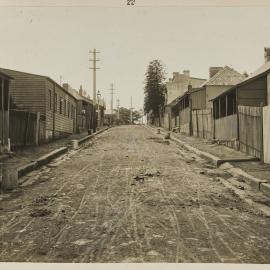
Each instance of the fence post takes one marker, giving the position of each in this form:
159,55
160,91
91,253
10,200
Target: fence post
238,127
37,128
203,124
26,127
197,124
213,123
262,142
190,118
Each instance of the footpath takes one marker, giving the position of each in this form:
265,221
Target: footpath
250,169
27,159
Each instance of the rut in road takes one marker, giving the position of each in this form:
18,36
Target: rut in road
130,197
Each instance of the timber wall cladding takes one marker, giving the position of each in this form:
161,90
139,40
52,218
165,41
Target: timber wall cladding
226,128
27,92
250,130
266,132
202,123
63,121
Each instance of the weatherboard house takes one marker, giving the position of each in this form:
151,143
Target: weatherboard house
41,95
4,111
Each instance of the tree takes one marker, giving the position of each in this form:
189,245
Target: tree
154,89
124,116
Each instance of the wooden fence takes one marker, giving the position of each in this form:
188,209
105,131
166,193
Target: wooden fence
202,123
226,128
184,121
250,130
266,132
24,128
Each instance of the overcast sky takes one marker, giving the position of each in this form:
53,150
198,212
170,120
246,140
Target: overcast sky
55,41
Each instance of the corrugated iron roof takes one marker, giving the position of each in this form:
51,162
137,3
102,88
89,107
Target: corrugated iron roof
226,76
261,71
176,100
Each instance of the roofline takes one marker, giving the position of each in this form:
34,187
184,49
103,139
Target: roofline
242,83
5,75
44,77
178,99
197,89
198,78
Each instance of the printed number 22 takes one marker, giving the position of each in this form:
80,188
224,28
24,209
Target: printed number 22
130,2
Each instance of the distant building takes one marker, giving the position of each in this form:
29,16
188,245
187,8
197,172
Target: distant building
252,91
4,112
84,109
179,84
176,88
40,94
220,80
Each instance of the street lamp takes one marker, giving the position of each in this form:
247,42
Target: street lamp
98,98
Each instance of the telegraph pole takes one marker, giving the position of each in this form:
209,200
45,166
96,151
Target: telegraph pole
118,106
131,116
94,53
112,93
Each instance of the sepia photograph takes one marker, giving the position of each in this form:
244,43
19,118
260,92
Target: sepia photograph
135,132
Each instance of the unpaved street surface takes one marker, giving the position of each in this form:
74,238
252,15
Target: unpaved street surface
130,197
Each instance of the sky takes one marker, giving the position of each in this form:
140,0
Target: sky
55,41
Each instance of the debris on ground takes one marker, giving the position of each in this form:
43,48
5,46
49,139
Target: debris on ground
40,212
43,200
140,178
167,136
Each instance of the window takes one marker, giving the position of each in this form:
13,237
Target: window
6,94
216,109
61,105
72,112
55,102
68,109
4,100
231,103
65,107
50,99
222,106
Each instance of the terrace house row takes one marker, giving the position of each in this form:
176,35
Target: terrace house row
196,98
42,110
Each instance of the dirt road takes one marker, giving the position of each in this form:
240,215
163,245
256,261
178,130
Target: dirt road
130,197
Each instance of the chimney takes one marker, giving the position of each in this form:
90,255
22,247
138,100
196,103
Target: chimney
267,54
81,91
65,86
213,71
175,74
186,72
